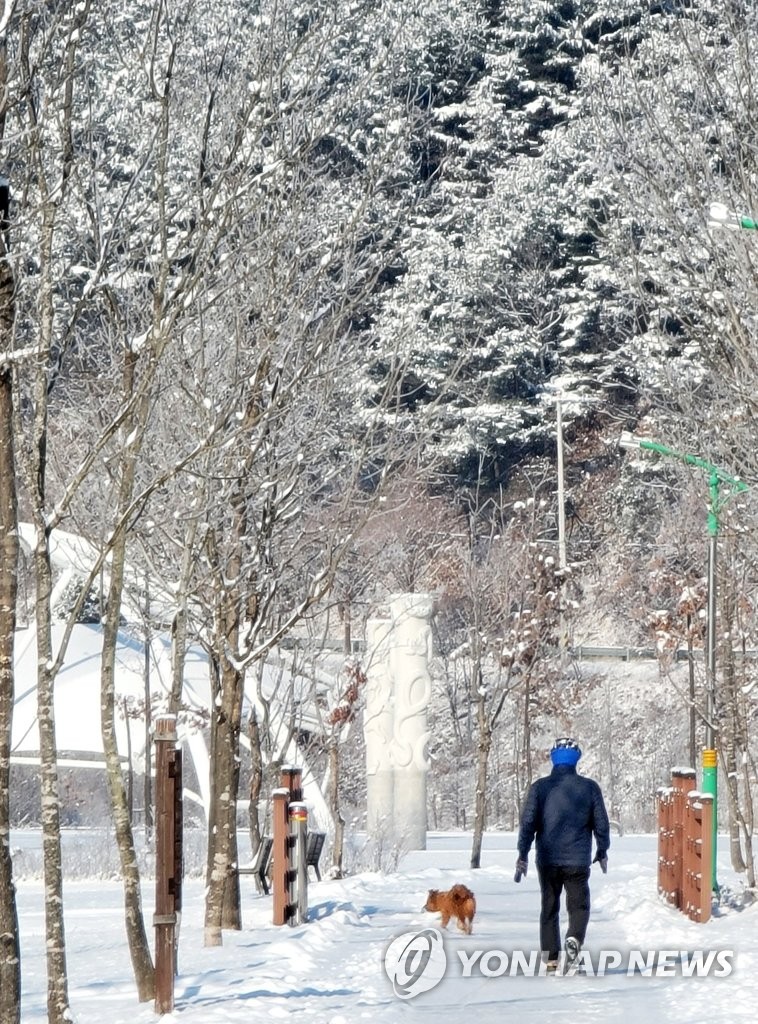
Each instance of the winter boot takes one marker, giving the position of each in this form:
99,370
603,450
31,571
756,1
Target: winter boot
573,948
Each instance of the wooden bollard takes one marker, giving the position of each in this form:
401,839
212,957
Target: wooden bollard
666,851
668,846
280,856
168,858
661,807
292,781
682,782
697,860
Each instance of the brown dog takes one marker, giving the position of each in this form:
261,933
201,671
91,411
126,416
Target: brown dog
458,902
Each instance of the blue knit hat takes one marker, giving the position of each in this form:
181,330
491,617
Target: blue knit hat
565,751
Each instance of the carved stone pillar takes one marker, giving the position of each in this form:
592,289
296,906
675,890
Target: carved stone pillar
409,655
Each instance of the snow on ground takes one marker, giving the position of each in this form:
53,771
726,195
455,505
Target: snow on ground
331,970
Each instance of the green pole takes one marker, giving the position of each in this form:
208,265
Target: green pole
716,476
710,757
710,786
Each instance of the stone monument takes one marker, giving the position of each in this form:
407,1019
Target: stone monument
398,691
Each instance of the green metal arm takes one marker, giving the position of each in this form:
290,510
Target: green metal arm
716,477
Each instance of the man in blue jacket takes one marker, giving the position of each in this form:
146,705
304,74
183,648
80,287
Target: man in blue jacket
564,810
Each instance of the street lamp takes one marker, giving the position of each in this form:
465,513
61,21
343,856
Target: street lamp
716,477
559,397
722,217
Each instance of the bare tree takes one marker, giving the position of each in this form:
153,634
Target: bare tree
285,493
55,38
737,602
339,720
10,954
50,102
10,961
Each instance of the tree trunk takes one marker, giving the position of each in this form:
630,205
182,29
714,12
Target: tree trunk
57,983
222,880
215,872
231,916
480,815
256,781
40,145
729,758
338,844
339,735
692,693
222,900
139,949
528,732
179,623
147,797
729,740
734,748
10,956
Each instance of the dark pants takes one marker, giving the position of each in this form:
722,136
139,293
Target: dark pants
553,880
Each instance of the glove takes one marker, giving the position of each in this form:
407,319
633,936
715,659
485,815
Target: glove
602,860
521,866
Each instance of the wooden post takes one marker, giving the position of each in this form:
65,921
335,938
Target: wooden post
168,859
283,880
662,803
687,857
291,780
669,890
178,838
698,847
299,835
682,782
666,845
280,865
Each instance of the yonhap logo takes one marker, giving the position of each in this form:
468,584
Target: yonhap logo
415,962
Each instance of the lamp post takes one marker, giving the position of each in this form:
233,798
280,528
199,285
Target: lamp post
561,487
722,217
716,477
559,397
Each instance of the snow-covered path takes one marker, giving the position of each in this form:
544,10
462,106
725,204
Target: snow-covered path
331,970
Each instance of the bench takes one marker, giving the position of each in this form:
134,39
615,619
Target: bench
313,849
262,863
260,867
